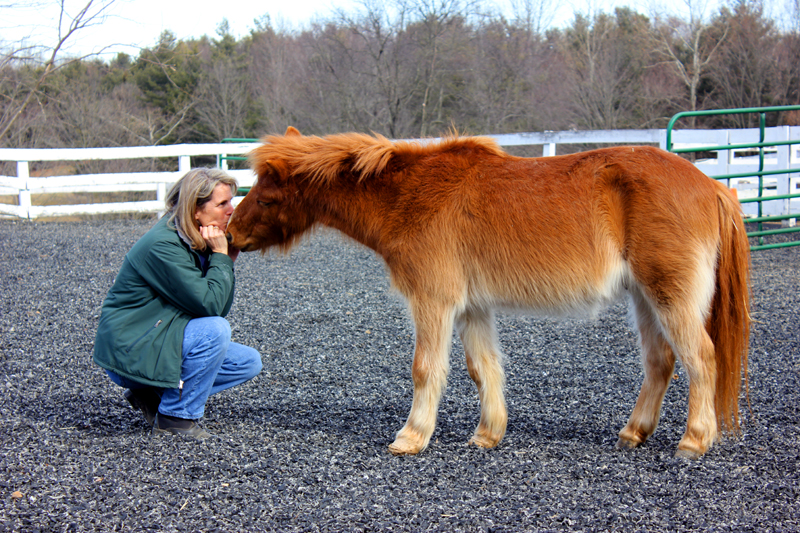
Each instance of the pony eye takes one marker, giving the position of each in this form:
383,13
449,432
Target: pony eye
265,204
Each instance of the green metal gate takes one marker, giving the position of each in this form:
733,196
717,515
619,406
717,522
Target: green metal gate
220,158
760,219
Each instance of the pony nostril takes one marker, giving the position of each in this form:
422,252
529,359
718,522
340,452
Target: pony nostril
229,237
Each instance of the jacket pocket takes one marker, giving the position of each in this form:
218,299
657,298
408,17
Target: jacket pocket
145,334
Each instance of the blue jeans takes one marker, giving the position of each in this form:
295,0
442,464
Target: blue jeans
211,363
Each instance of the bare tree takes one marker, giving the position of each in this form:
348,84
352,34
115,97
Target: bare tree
364,71
440,28
276,71
222,100
607,62
788,55
689,47
508,78
533,15
91,14
747,72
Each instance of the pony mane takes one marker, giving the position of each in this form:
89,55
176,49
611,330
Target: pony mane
322,159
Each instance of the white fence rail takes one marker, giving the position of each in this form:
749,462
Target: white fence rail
23,185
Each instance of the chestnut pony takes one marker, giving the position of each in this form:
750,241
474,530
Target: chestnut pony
465,228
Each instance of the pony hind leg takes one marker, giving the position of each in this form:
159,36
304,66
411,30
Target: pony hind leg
434,328
484,364
696,352
659,364
682,327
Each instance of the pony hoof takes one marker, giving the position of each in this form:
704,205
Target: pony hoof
691,455
482,441
691,448
404,446
627,444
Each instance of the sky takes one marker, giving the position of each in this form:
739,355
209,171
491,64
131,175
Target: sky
129,25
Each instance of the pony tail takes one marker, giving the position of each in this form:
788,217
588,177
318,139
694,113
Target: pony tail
729,322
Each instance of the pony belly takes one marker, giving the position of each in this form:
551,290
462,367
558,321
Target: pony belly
562,293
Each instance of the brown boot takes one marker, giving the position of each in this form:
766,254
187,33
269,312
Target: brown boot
165,424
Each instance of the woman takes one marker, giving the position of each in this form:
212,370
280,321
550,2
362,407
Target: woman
161,333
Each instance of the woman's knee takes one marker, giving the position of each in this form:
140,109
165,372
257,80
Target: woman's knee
256,365
212,329
217,328
206,337
250,360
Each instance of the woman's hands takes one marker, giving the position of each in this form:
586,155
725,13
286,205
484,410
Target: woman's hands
215,239
218,242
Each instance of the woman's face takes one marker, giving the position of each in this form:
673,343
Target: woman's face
217,210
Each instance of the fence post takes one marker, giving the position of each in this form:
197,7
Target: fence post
23,173
184,164
784,181
725,158
161,196
549,149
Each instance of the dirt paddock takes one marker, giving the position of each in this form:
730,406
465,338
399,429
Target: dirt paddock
303,447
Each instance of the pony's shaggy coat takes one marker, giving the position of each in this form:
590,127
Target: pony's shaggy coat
465,228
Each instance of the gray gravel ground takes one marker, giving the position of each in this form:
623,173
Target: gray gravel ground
303,447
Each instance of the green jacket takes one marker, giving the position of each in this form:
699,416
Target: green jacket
160,287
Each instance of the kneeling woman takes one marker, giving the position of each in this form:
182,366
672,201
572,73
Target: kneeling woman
161,333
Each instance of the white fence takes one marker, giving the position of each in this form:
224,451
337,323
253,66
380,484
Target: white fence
23,185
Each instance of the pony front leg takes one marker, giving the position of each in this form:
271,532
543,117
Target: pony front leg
484,364
434,325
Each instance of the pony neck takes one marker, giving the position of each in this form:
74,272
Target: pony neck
354,208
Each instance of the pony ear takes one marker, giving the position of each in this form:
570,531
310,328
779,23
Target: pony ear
277,171
291,131
273,170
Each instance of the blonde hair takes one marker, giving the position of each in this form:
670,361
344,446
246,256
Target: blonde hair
190,193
